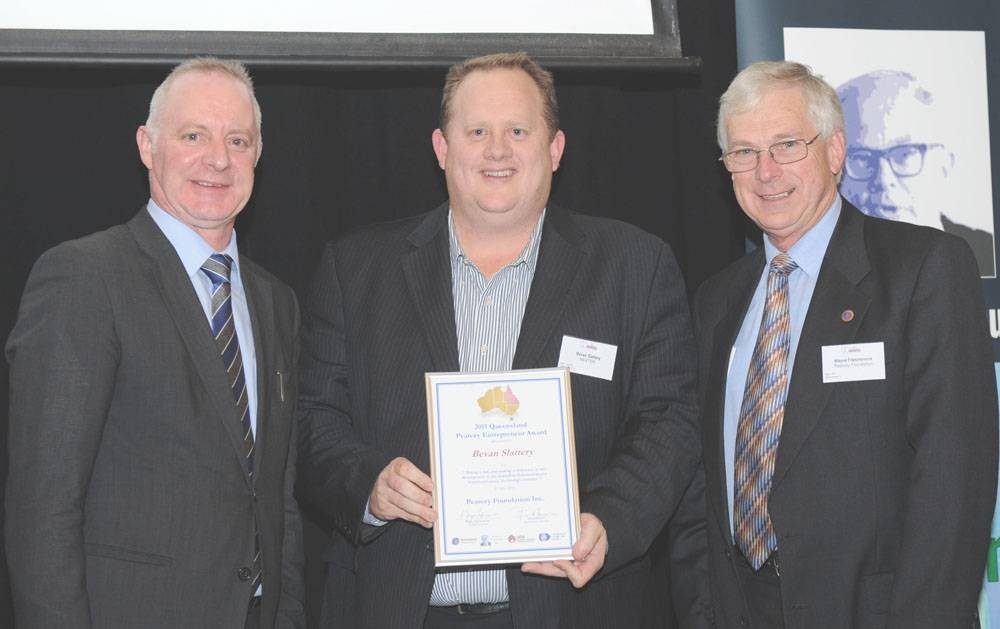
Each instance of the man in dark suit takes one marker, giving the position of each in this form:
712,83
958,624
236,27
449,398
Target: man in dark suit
849,408
151,435
449,291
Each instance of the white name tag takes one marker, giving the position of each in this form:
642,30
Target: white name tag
588,358
853,362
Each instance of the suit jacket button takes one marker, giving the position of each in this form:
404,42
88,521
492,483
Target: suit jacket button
243,573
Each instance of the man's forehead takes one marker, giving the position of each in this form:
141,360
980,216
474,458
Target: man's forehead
499,84
888,108
195,95
779,115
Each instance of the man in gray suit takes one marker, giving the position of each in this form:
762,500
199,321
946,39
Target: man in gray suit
496,278
849,410
151,436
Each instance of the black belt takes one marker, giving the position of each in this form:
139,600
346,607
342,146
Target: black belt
475,609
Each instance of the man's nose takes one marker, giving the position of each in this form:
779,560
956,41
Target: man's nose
767,169
217,154
497,146
883,179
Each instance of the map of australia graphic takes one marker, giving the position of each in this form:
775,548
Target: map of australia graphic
497,398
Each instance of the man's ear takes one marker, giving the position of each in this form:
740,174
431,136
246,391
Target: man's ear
556,147
440,147
144,140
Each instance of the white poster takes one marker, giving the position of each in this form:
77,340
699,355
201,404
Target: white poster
917,125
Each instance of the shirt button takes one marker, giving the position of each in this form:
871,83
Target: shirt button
488,301
484,348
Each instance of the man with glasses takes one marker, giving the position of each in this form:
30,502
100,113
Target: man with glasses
848,401
894,167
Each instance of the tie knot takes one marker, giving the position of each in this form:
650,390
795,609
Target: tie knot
217,267
783,264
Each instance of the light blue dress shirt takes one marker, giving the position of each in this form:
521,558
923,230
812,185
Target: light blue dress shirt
193,251
808,254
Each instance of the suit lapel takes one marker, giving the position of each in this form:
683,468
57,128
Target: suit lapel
427,270
844,266
260,303
182,304
734,308
559,259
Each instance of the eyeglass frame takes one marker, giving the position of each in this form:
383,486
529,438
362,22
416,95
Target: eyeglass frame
879,155
770,151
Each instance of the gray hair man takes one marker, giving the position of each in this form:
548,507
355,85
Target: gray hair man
847,390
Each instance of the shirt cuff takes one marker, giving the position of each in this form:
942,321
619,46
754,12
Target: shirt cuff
371,519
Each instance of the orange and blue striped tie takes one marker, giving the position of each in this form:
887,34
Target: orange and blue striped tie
761,415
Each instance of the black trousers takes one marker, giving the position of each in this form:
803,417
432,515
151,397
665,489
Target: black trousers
763,591
253,614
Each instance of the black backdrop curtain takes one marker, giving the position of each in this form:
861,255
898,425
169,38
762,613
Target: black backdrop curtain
343,149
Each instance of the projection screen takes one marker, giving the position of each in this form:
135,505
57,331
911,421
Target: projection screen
362,34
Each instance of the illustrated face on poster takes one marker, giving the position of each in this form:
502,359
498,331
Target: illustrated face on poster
916,124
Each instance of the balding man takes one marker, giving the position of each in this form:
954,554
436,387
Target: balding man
151,443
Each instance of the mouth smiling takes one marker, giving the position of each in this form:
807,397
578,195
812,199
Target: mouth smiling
499,174
208,184
777,196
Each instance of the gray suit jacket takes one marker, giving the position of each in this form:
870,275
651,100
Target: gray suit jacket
883,490
128,504
381,315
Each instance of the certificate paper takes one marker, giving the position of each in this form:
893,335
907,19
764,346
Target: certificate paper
504,466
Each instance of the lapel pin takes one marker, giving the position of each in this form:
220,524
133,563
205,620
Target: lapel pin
847,316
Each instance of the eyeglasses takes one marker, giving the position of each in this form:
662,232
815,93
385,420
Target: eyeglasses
784,152
905,160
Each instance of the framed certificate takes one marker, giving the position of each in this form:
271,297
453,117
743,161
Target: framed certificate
504,466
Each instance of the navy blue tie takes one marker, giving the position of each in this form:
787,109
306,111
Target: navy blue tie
218,268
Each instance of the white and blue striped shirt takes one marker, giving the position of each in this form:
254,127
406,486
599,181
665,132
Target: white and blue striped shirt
488,317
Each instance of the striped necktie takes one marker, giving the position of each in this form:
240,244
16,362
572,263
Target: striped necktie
761,415
218,268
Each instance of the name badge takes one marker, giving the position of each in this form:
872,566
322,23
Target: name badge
854,362
588,358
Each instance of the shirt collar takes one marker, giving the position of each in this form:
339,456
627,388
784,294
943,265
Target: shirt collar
809,250
528,256
190,247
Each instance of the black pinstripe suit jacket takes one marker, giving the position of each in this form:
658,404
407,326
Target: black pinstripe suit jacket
381,315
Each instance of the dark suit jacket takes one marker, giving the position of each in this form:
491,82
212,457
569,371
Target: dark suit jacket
381,315
128,504
883,490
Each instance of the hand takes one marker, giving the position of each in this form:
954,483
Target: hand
402,491
589,552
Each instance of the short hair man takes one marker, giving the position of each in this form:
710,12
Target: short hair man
897,165
848,399
151,443
449,291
